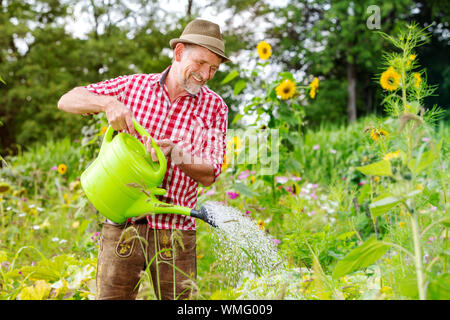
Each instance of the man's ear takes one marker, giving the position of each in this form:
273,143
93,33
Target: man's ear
178,51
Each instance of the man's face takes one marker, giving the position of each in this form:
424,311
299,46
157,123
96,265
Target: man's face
198,66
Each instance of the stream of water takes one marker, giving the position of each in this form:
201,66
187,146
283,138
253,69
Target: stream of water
241,247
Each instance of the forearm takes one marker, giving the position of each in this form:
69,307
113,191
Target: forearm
81,101
195,167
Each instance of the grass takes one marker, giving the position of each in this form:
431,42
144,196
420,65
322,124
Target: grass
49,232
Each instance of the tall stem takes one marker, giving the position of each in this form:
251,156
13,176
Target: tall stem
418,257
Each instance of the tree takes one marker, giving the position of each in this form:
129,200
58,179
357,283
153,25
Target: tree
331,39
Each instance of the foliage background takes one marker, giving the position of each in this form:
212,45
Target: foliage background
41,57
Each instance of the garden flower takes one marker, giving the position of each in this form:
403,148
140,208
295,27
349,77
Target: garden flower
261,224
235,144
276,241
411,58
103,130
281,179
225,163
285,89
390,79
243,175
75,224
62,168
4,187
391,155
232,195
417,79
210,192
314,85
377,134
333,151
316,147
264,50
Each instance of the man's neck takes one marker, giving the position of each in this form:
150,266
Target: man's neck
173,87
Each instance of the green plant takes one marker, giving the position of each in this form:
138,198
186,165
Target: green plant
410,159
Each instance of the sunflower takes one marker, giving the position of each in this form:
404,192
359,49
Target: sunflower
390,79
234,144
4,187
285,89
417,79
62,168
314,86
264,50
226,163
411,58
261,224
391,155
377,134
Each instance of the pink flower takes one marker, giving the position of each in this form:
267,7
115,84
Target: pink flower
425,139
363,182
333,151
276,241
232,195
281,179
316,147
294,178
247,213
54,168
243,175
210,192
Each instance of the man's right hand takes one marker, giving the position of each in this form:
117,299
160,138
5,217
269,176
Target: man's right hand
79,100
119,116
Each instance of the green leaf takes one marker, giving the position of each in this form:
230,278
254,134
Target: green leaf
380,168
446,221
1,80
439,288
237,117
286,75
361,257
422,162
383,203
244,190
239,86
233,74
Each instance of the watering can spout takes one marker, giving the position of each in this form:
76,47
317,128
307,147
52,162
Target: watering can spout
204,215
153,206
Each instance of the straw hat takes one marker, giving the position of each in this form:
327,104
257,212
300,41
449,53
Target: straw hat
203,33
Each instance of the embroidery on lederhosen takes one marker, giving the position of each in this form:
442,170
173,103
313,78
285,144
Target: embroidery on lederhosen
125,245
164,244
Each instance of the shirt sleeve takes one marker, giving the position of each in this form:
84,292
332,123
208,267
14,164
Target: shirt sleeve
214,146
113,87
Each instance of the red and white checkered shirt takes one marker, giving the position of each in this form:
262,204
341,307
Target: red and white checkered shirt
197,123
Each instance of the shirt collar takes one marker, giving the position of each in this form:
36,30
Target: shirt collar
162,80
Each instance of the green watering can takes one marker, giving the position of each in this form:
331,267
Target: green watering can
111,182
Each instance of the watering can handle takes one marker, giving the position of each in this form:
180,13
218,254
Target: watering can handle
159,154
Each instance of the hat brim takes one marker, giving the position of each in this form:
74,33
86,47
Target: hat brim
174,42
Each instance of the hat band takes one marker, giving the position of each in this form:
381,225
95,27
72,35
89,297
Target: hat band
206,40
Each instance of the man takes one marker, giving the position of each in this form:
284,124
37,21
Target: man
188,122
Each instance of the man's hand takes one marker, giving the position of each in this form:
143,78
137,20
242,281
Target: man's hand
119,116
165,145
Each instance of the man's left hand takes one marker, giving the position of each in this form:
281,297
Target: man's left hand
165,145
